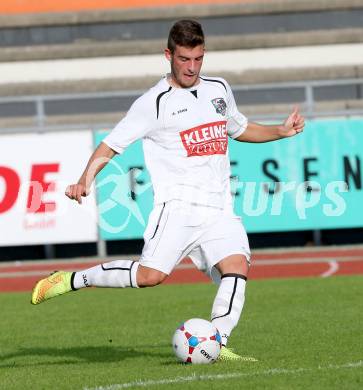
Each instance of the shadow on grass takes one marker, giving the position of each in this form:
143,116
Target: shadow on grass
76,355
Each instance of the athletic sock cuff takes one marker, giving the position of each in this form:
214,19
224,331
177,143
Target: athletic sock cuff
72,282
234,276
133,274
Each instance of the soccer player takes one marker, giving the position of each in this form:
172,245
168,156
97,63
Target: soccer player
184,122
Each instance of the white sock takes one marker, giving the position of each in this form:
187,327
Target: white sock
228,304
118,273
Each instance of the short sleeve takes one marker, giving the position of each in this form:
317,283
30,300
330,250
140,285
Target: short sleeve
236,121
137,123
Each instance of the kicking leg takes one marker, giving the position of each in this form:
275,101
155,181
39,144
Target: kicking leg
119,273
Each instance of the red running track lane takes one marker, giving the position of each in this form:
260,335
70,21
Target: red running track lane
21,276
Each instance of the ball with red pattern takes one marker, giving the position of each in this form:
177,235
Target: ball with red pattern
197,341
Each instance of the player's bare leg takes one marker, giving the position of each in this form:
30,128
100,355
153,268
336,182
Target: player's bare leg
234,264
229,301
149,277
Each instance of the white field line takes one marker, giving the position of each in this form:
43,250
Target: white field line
194,378
308,249
289,261
256,263
307,260
333,268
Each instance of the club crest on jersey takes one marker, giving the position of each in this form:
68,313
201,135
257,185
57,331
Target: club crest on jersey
220,106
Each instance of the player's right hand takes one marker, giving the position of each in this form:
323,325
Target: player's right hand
76,192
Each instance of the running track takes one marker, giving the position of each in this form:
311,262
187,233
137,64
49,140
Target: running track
282,263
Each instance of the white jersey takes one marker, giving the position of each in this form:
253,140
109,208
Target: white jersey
185,139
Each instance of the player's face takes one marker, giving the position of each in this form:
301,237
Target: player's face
185,65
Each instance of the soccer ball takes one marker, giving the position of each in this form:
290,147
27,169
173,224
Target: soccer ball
197,341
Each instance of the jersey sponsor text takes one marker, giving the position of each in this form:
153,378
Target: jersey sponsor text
207,139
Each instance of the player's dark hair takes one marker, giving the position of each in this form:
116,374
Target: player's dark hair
186,33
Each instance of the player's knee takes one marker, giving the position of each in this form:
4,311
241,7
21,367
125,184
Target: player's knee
151,280
236,264
147,277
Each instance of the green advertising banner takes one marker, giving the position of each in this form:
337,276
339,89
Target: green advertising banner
311,181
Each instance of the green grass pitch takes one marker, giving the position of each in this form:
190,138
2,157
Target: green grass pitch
306,333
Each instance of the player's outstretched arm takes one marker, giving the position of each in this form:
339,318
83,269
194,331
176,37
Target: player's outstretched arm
255,132
98,160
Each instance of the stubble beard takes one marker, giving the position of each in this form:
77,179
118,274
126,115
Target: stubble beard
178,80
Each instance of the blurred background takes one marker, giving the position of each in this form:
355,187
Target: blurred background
69,70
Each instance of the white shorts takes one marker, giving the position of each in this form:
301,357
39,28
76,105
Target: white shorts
206,234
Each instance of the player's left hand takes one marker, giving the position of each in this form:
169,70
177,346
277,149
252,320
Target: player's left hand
293,125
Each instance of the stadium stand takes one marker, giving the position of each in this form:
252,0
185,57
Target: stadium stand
305,40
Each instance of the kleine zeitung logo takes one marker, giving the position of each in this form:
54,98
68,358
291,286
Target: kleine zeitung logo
207,139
